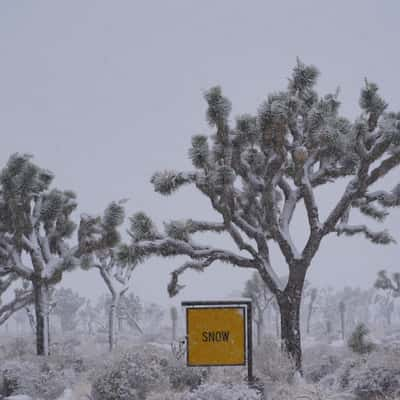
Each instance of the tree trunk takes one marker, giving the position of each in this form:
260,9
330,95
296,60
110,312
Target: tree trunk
173,330
310,311
277,322
42,321
259,332
111,321
342,323
289,306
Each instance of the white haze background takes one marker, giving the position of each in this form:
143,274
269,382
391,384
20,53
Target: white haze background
104,93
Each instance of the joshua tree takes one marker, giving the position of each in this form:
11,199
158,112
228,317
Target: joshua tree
130,310
102,249
67,304
256,173
313,296
261,297
88,316
35,228
342,311
392,285
35,224
174,320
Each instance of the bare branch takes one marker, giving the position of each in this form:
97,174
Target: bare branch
21,300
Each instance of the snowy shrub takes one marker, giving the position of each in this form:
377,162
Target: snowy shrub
271,363
227,375
322,360
358,340
166,395
39,379
374,377
305,392
18,347
130,376
182,377
222,392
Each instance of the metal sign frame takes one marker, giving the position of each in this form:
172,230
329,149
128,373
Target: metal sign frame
247,326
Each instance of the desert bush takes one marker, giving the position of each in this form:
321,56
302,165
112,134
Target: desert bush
322,360
271,363
166,395
182,377
227,375
130,376
358,342
37,378
18,347
306,392
222,392
375,377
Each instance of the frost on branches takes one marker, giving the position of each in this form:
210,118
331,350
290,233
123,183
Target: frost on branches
100,243
257,171
35,230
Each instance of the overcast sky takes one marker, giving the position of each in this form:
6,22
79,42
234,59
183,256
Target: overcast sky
104,93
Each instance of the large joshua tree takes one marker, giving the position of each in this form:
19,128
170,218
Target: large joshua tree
257,172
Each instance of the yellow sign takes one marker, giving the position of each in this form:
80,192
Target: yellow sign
216,336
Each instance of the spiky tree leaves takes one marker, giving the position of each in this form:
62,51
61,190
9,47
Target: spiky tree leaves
258,292
390,284
257,172
67,305
101,248
35,224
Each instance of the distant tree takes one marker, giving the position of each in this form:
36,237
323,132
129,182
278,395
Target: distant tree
20,318
88,315
174,321
342,311
256,173
103,250
67,305
130,310
313,292
386,305
390,284
152,317
261,297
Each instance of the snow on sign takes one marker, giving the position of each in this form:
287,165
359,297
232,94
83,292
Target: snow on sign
217,333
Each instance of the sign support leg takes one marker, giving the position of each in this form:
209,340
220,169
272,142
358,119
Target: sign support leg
250,377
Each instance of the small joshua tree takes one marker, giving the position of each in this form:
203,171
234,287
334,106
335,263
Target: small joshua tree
342,311
257,172
102,249
390,284
261,297
313,292
67,305
174,321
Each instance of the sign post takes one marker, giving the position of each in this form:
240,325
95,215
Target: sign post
219,333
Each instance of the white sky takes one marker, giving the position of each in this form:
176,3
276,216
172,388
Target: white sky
104,93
